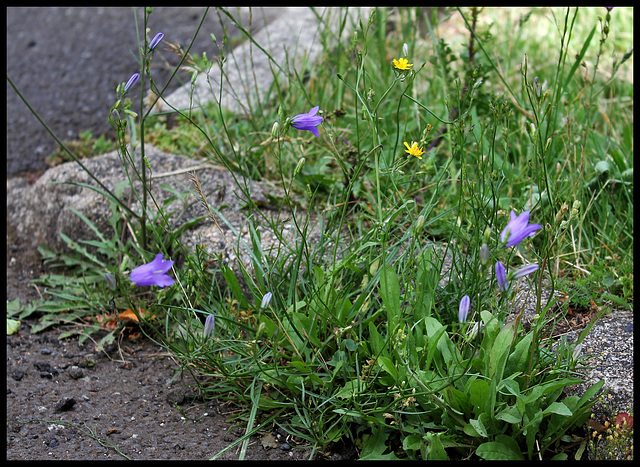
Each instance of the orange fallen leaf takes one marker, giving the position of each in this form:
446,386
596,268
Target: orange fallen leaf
129,314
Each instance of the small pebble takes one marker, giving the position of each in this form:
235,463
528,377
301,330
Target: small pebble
285,447
65,404
45,351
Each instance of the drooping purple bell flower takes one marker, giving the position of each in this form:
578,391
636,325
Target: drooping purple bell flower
308,121
517,229
153,273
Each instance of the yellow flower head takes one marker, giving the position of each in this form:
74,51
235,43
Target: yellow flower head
402,64
414,149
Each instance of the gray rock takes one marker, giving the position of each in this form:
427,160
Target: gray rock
39,212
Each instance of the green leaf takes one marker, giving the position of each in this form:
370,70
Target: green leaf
500,351
351,388
478,394
510,415
234,285
12,326
559,408
412,443
435,449
503,448
510,387
375,445
518,359
388,366
579,58
479,427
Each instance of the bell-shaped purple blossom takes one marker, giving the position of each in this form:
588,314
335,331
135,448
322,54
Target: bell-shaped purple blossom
501,276
463,310
155,41
208,326
153,273
132,81
308,121
525,271
517,229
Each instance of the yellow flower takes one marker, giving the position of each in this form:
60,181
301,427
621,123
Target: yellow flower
414,149
402,64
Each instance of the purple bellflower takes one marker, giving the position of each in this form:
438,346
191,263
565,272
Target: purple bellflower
308,121
208,325
155,41
463,311
501,276
132,81
525,271
153,273
518,228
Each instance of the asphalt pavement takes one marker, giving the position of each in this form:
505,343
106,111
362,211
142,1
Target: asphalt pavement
67,62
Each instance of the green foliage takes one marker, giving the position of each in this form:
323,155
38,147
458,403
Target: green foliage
361,340
86,146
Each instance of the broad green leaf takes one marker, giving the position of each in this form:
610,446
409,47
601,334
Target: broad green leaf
510,415
435,449
478,394
12,326
503,448
375,445
479,427
519,358
388,366
509,387
351,388
558,408
412,443
500,351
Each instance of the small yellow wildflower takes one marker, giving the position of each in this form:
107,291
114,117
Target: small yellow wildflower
402,64
414,149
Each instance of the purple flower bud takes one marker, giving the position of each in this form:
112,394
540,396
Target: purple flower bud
111,281
155,41
308,121
525,271
517,229
153,273
208,326
484,253
266,300
463,311
132,81
501,276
